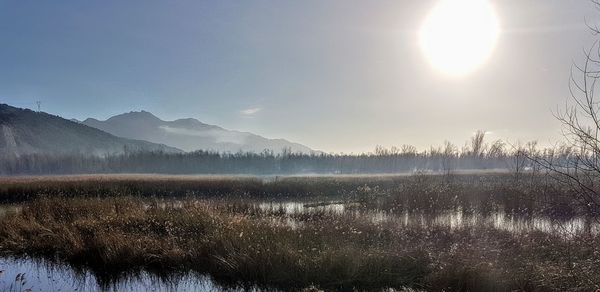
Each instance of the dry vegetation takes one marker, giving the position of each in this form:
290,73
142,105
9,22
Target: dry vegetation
134,227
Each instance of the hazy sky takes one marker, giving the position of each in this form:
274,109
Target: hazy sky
333,75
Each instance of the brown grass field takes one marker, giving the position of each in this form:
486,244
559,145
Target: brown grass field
117,225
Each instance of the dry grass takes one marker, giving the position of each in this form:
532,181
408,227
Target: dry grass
430,193
242,244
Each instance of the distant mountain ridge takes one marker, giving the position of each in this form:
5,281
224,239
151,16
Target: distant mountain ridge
23,131
189,134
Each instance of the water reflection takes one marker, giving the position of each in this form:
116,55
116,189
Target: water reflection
9,209
509,222
290,208
36,275
24,274
453,219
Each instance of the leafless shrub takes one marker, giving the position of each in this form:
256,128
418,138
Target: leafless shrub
576,163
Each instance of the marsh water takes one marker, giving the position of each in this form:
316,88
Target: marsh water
26,274
454,219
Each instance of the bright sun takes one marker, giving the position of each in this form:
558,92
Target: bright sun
459,35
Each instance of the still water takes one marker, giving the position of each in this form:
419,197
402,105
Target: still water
25,274
453,219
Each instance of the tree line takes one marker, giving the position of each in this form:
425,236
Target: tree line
475,155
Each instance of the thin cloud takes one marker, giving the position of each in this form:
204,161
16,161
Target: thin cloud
250,111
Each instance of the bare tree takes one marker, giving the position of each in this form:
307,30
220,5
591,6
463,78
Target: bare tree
518,160
381,151
408,150
531,150
477,145
496,149
580,120
449,154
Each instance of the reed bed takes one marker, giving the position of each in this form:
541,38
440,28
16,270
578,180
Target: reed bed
430,193
240,244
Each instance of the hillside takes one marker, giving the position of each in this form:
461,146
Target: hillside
24,131
189,134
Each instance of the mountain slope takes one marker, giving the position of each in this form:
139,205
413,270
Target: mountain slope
23,131
189,134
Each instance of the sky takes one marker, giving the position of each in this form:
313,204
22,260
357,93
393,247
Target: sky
337,75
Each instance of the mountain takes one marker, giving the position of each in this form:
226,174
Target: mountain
189,134
24,131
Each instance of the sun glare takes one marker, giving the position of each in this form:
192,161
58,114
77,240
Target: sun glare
458,36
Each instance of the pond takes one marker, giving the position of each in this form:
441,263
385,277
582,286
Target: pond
454,219
26,274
